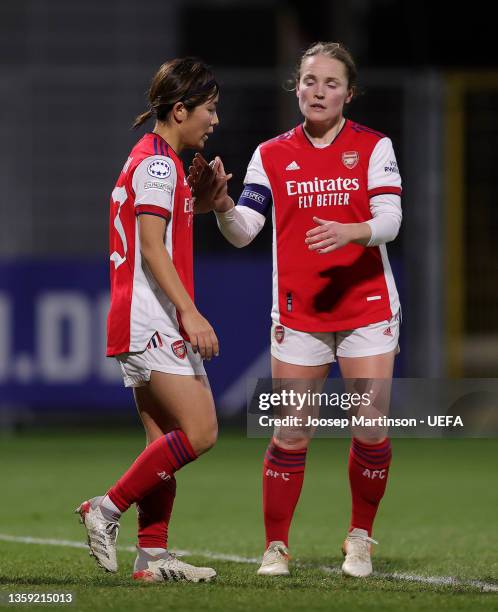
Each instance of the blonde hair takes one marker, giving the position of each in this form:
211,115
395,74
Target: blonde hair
333,50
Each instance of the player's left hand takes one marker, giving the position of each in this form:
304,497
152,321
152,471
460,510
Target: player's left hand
328,236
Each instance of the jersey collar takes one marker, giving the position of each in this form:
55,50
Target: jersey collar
169,148
304,137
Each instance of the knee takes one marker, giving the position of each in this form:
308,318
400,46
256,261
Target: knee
371,438
204,439
292,441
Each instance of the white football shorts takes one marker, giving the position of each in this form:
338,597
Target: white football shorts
319,348
171,355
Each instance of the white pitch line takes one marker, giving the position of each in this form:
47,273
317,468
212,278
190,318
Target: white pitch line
72,544
434,580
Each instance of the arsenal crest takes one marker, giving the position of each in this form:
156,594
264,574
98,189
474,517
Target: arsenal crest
179,349
350,159
279,333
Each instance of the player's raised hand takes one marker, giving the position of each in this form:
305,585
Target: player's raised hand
221,201
208,183
200,177
329,236
202,336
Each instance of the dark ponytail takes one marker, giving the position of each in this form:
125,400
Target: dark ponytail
139,119
186,80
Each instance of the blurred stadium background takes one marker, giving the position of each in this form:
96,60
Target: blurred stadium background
74,74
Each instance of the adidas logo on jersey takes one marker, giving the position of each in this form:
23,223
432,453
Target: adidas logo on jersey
387,332
293,166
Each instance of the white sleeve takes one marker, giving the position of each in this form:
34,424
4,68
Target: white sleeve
383,173
384,191
240,225
255,172
386,213
154,182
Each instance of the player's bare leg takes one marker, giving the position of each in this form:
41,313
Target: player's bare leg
154,562
369,459
186,403
155,420
301,379
154,510
283,469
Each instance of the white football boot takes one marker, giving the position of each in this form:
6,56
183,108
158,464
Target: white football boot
167,566
101,534
356,548
275,560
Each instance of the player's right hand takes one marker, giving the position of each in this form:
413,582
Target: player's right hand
208,183
201,334
221,200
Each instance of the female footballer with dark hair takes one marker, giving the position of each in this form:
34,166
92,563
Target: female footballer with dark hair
155,331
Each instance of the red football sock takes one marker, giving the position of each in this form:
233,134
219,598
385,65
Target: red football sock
157,463
368,471
283,475
154,513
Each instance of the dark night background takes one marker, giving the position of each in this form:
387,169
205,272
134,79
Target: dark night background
74,75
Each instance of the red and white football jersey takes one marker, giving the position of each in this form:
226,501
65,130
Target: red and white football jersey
152,182
352,286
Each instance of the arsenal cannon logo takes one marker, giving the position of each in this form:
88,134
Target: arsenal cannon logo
179,349
279,333
350,159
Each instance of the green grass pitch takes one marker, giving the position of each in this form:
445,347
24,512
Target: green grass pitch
439,518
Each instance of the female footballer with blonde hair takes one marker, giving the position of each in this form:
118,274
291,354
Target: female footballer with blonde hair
333,189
